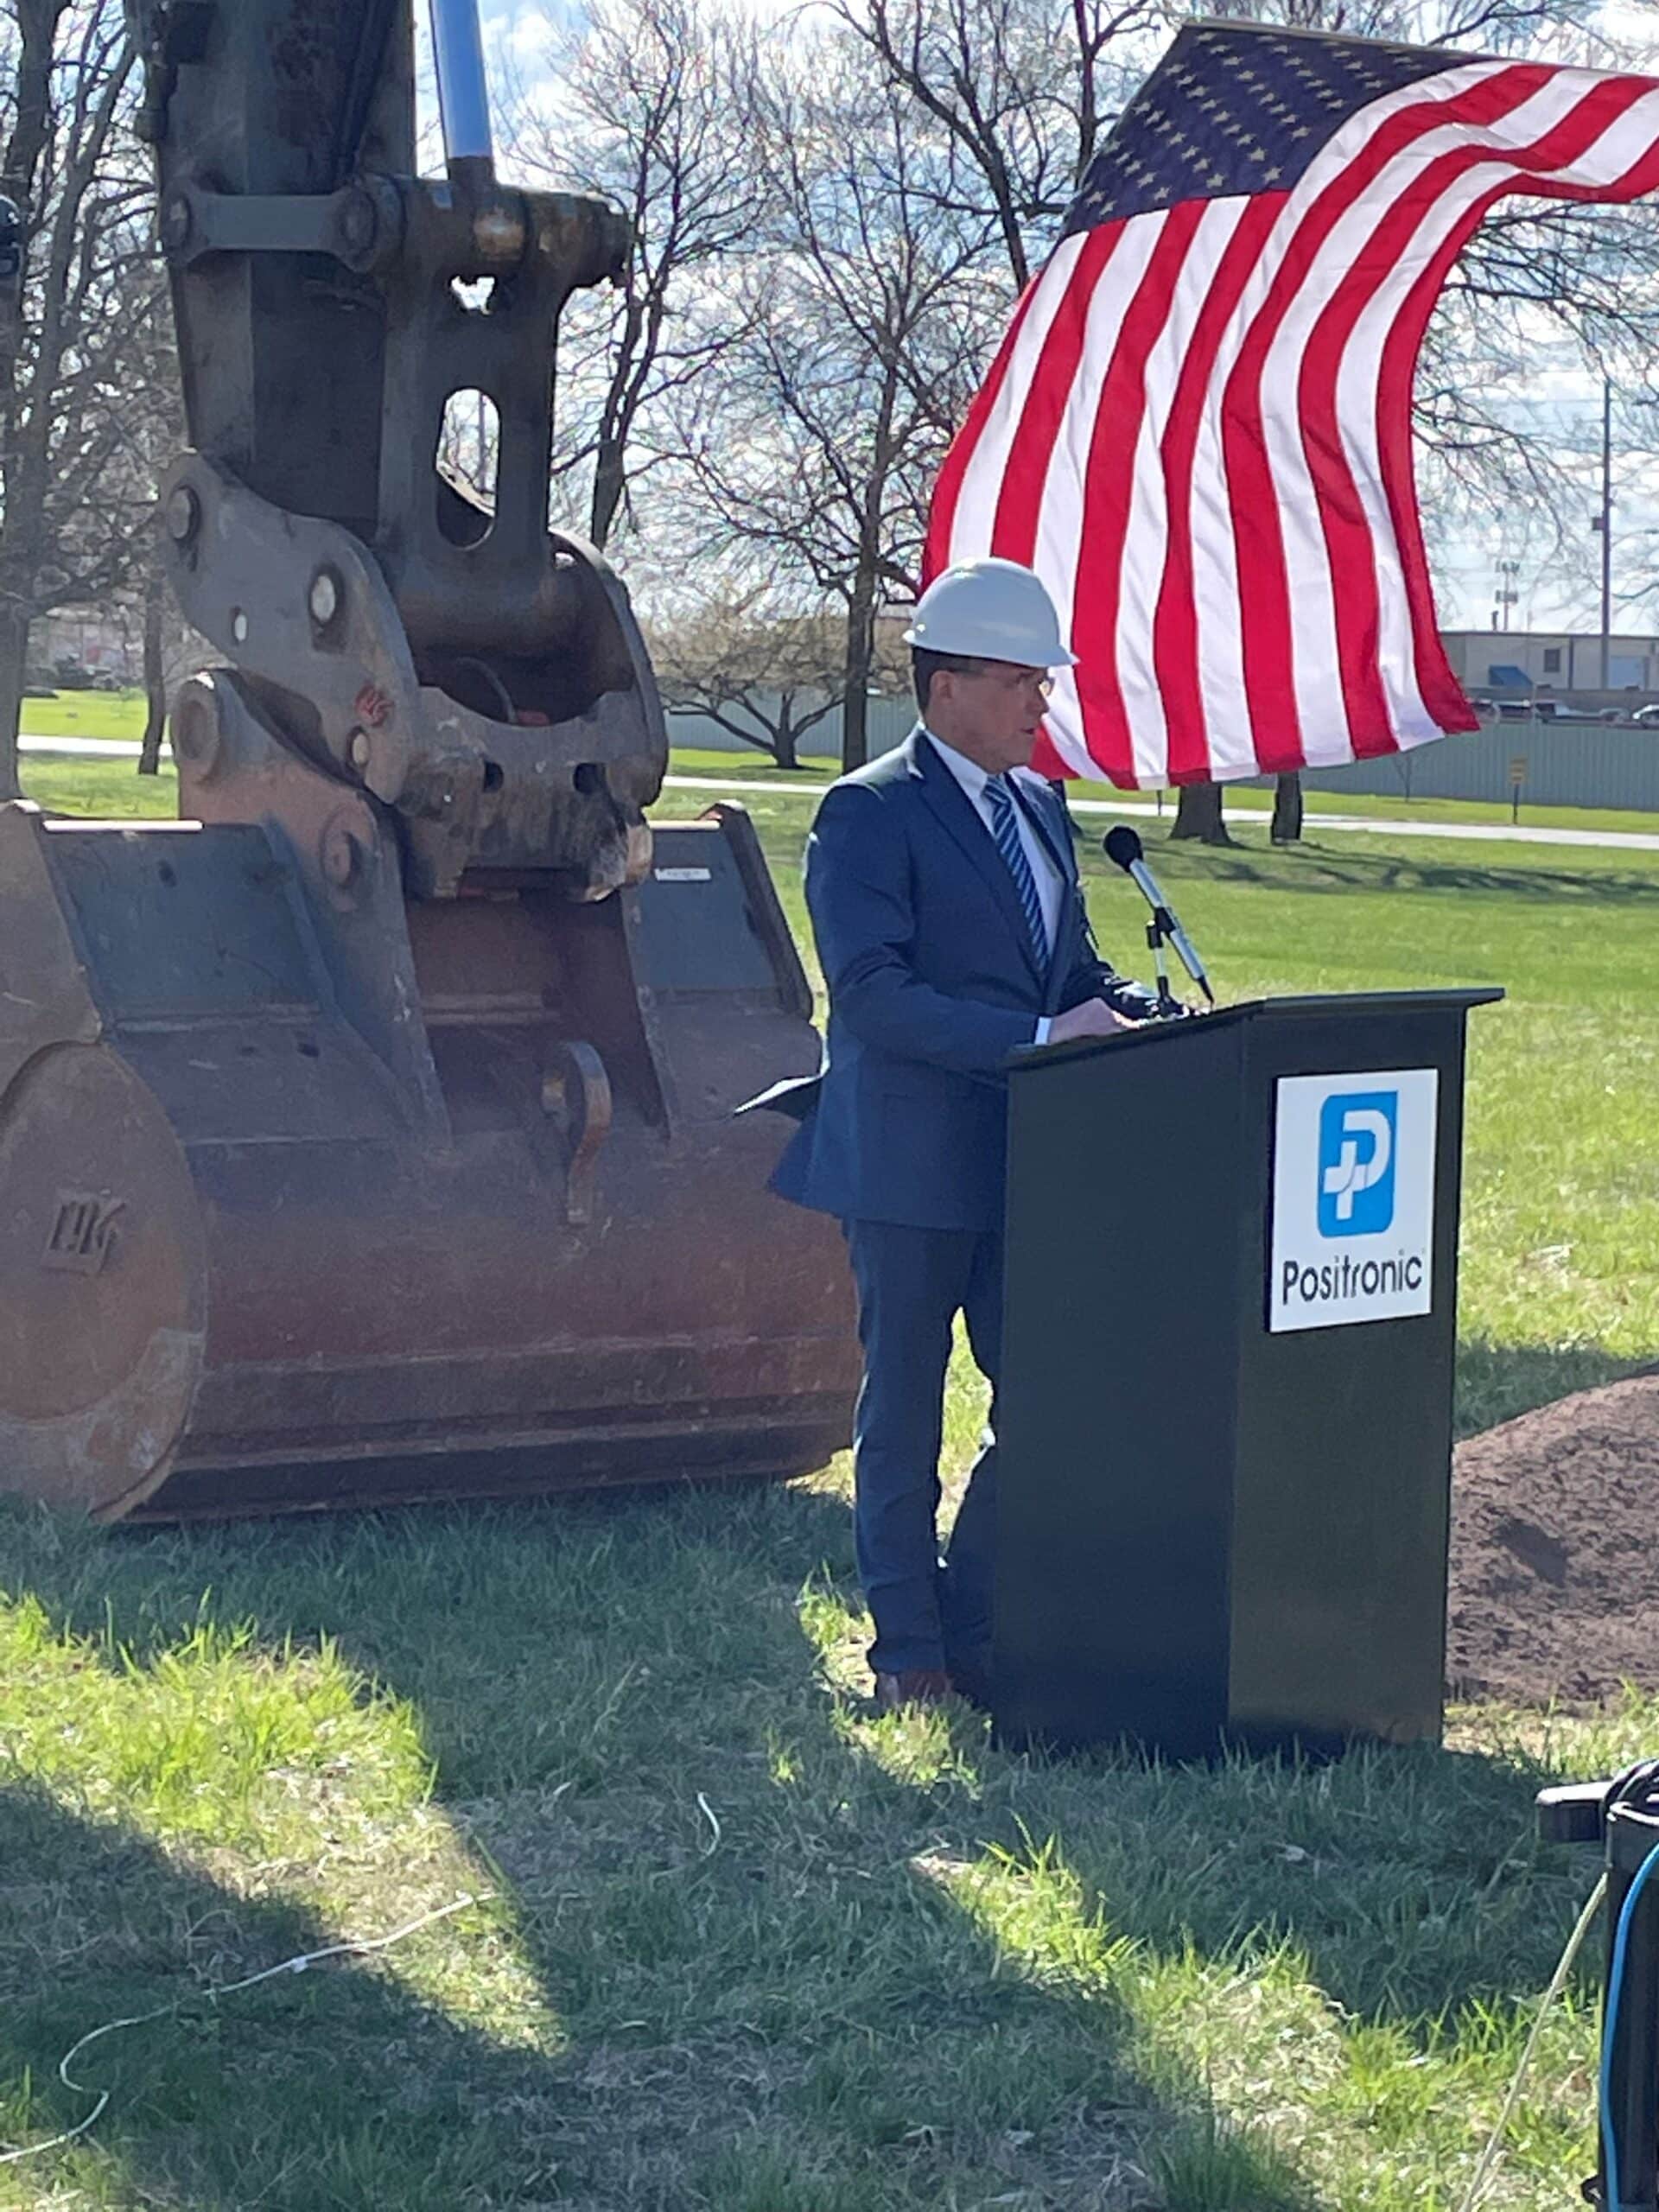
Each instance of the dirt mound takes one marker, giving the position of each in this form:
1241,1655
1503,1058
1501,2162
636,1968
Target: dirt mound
1555,1551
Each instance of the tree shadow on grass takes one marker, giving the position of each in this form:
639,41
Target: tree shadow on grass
1499,1382
770,2005
348,2092
1326,869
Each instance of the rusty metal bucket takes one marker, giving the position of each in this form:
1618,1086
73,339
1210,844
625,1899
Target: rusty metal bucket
309,1198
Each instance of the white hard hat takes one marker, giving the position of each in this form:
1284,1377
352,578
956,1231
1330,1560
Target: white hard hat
990,610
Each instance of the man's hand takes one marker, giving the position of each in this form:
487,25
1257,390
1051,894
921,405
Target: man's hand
1094,1018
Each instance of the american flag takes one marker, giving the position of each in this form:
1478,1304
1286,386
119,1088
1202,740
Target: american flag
1197,427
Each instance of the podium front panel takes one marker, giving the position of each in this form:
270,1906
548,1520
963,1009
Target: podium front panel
1120,1319
1209,1529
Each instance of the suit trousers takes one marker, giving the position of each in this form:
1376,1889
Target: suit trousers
912,1284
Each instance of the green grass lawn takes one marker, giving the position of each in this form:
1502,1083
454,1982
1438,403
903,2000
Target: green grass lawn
66,784
749,1949
87,713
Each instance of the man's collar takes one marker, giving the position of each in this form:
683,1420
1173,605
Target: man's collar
969,773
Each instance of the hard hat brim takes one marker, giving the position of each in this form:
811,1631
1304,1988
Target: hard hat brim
1061,659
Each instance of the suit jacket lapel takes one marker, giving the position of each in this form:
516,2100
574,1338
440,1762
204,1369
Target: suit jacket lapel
955,810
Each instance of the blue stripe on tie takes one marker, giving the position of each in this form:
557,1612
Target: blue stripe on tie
1005,828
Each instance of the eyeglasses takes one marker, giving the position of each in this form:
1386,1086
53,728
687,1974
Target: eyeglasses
1011,679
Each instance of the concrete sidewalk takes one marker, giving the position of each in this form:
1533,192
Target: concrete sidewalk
102,748
1631,841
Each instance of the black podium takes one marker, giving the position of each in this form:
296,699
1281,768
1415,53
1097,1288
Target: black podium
1224,1416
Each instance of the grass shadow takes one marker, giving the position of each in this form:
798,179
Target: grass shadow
1499,1382
347,2091
1319,869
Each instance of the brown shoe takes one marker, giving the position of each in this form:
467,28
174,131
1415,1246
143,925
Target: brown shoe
915,1686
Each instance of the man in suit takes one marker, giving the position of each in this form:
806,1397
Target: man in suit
950,925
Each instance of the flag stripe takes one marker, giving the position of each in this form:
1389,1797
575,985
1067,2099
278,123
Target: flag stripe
1108,489
1073,566
1150,518
947,490
1019,498
1295,618
1175,626
1441,693
982,477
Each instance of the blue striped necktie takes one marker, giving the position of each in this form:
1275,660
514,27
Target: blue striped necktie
1005,827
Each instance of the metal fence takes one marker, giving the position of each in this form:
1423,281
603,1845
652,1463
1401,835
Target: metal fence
890,719
1562,764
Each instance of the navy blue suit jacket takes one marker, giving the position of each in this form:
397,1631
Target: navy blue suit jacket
933,983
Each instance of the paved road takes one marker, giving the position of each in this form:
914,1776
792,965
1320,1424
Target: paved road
1474,832
104,748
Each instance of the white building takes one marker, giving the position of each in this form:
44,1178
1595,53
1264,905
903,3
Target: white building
1548,660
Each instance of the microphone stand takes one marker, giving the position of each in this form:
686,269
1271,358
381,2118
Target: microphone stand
1160,929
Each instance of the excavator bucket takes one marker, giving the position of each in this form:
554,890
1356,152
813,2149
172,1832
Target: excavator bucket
367,1134
247,1263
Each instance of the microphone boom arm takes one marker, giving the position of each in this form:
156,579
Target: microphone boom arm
1124,849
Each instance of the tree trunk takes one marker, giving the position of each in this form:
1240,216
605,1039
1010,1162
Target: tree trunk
14,655
609,482
861,603
1286,811
855,687
785,738
150,753
1198,814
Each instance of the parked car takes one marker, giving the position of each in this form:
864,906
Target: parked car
1646,717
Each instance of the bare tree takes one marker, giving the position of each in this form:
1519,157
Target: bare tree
767,677
80,406
1020,89
869,311
650,111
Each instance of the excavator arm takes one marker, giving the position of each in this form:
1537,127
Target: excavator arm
477,673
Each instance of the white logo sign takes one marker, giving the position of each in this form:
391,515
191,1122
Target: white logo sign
1353,1198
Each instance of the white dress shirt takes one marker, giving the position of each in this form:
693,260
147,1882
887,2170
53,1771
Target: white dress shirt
1051,884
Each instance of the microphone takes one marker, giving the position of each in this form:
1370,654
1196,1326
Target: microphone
1124,848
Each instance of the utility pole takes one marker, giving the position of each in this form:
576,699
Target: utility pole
1606,524
1507,591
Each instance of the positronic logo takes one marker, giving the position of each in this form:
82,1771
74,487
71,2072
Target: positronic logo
1356,1162
1352,1230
